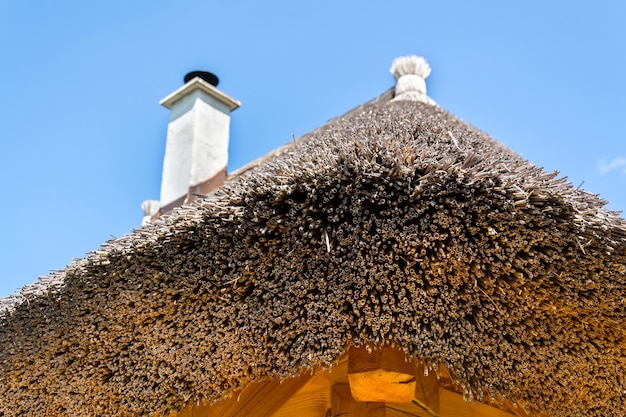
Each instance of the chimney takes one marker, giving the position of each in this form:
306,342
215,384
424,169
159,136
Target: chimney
196,152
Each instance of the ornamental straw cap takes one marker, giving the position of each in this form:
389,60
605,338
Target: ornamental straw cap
410,73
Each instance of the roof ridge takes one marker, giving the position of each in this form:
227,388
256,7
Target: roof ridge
386,96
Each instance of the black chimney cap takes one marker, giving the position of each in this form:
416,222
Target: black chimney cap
205,75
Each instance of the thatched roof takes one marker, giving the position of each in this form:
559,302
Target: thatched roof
396,223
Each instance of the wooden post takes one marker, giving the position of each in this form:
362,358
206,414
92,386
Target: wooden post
383,375
427,390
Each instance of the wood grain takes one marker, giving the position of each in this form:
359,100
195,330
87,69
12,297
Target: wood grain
382,375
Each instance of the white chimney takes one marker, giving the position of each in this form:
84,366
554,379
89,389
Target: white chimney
196,152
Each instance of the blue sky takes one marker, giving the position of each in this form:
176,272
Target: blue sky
82,135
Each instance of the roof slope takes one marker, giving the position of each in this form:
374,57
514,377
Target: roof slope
394,224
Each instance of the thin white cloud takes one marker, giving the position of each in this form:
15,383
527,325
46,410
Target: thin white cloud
618,164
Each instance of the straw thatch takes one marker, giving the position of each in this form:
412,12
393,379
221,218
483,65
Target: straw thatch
394,224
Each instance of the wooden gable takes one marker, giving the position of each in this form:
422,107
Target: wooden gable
367,384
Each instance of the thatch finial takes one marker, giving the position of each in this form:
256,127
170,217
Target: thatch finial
410,73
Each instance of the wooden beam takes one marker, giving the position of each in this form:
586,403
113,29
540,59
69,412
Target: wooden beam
345,406
312,400
382,375
259,400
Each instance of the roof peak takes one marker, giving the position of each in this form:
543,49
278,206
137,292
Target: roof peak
410,73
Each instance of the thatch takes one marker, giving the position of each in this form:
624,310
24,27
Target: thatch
394,224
